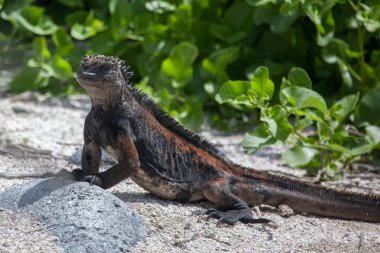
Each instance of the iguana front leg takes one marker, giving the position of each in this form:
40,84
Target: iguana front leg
128,164
91,156
90,161
230,208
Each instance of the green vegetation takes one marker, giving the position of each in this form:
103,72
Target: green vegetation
188,54
328,147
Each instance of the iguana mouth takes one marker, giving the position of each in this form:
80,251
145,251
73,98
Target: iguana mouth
86,73
89,76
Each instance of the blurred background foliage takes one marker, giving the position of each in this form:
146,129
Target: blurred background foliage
183,51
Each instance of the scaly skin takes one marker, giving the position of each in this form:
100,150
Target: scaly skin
174,163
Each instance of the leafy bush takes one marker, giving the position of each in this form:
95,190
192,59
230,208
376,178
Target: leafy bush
182,52
316,135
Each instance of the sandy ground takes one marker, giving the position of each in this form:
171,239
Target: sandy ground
39,134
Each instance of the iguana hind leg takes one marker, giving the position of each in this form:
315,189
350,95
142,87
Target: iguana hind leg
230,208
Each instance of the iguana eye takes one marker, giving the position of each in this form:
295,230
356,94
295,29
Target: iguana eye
112,74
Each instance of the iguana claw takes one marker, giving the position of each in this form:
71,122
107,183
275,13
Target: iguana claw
94,180
230,217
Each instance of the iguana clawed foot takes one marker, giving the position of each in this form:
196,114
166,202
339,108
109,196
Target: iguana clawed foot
79,175
230,217
94,180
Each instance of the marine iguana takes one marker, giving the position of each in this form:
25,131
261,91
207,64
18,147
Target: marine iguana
172,162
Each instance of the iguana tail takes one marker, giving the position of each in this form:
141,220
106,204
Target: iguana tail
274,190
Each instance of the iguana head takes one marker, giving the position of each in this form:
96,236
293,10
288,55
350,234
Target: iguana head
104,78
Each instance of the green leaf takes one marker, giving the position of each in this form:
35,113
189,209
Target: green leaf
211,70
300,98
28,79
71,3
233,29
320,14
243,95
143,23
241,10
261,85
41,52
181,75
344,106
303,123
215,65
76,17
102,44
299,156
159,6
370,17
361,150
225,33
285,83
296,77
225,56
1,4
82,32
153,40
270,14
369,108
62,68
278,124
336,148
312,115
373,134
63,42
121,15
192,115
33,19
324,130
260,2
290,8
235,93
299,77
179,64
260,138
186,52
180,21
336,52
84,25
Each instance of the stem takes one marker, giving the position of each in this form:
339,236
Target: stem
299,135
322,160
361,57
353,5
354,74
319,147
361,32
9,43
